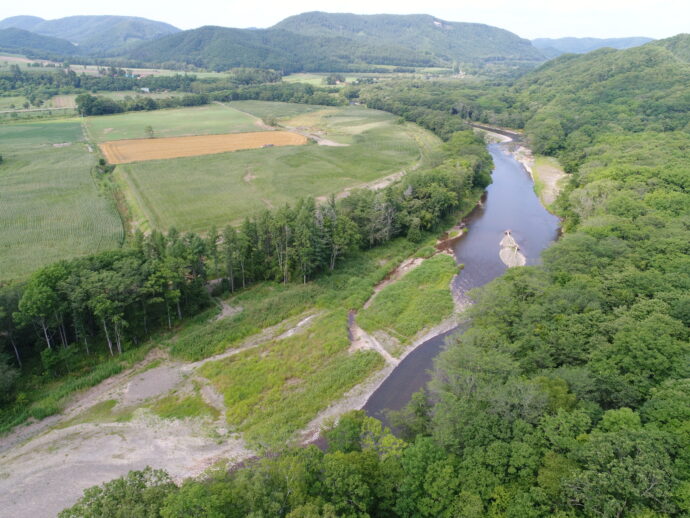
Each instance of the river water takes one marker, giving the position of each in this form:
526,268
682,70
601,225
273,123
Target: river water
508,204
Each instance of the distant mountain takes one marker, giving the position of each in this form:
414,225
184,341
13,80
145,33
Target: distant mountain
555,47
20,22
338,42
25,42
446,41
96,35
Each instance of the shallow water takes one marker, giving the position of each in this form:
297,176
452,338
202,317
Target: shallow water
509,204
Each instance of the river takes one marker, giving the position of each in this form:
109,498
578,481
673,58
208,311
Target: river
508,204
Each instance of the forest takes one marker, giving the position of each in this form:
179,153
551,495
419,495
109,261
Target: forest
569,393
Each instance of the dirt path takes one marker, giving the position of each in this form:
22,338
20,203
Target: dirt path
44,467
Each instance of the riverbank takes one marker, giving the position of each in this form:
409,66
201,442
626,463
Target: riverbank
547,174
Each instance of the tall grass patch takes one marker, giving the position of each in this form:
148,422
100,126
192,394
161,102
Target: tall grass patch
418,300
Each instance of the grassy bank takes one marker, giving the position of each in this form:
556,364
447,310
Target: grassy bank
417,301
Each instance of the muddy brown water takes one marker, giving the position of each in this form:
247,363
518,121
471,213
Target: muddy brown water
508,204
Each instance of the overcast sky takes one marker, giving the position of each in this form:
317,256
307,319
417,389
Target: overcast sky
527,18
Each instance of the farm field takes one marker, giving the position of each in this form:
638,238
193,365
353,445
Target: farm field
50,206
125,151
12,103
177,122
196,192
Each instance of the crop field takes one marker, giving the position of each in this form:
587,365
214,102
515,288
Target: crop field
12,103
125,151
50,206
277,110
194,193
178,122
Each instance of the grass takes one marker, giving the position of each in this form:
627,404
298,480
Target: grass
277,387
194,193
12,103
176,122
183,406
100,413
417,301
278,110
51,207
274,390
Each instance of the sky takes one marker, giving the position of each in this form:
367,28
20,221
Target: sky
527,18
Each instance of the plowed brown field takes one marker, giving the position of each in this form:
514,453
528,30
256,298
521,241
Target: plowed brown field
125,151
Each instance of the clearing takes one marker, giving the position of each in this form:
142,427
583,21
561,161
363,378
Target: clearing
217,390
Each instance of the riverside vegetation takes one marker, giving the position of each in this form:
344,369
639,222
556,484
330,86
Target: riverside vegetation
568,394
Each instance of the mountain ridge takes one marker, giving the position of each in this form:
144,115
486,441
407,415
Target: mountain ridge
95,35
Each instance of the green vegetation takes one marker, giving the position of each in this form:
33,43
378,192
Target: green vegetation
19,40
51,206
93,34
183,406
278,110
71,315
417,301
196,192
346,42
202,120
276,389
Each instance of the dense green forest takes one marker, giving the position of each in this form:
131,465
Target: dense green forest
284,92
569,393
18,40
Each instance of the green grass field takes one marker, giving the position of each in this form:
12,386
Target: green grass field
417,301
176,122
12,103
278,110
50,206
196,192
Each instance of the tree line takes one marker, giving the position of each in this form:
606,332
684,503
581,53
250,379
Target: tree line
88,104
44,83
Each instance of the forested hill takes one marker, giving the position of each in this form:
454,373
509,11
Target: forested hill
19,40
573,97
94,34
446,41
221,48
344,42
553,47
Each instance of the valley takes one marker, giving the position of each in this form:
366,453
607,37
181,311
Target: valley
346,265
